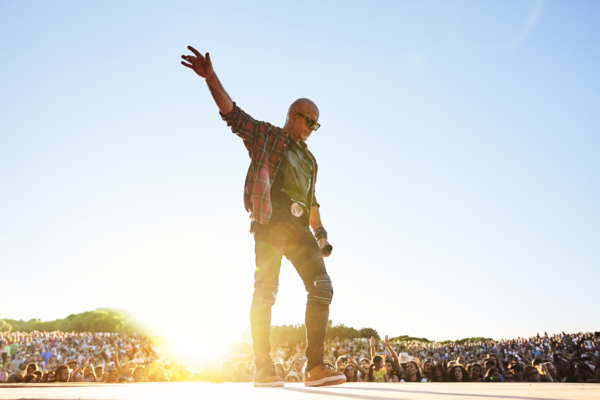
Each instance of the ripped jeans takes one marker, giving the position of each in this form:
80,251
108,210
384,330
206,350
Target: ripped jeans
286,235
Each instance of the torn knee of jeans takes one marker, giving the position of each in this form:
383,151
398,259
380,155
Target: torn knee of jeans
266,291
322,290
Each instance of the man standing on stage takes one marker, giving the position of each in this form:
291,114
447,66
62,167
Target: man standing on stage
280,195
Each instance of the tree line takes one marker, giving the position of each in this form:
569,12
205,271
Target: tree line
112,320
292,334
406,338
107,320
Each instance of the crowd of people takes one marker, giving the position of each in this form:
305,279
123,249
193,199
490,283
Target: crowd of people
113,358
557,358
84,357
545,358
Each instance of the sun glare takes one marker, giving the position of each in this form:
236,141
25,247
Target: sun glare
194,350
199,345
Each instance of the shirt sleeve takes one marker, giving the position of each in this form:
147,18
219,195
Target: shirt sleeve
243,125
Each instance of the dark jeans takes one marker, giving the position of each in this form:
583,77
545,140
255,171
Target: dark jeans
286,235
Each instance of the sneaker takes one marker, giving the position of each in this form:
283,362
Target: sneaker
266,377
323,375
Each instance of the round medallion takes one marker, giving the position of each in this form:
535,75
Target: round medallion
297,210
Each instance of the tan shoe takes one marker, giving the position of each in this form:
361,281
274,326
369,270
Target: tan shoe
266,377
323,375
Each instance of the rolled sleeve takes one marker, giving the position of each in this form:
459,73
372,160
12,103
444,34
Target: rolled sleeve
243,125
232,114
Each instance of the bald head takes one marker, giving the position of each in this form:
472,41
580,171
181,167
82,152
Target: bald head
301,114
305,106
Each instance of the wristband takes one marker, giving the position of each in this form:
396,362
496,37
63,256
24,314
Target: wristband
320,233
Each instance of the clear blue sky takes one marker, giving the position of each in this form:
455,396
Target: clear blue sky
458,155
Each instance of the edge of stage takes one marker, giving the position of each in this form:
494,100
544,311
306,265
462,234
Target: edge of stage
297,391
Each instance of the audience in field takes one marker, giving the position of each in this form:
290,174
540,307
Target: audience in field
39,357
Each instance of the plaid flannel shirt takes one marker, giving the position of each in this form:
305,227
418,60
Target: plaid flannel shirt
265,144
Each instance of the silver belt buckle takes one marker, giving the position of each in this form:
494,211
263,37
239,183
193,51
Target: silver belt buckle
297,210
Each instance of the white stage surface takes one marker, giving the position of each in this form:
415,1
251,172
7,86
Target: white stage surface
297,391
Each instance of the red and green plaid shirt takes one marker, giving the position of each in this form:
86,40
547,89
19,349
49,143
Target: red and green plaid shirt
265,144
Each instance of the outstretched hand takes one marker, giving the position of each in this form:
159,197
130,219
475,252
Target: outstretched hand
199,64
372,341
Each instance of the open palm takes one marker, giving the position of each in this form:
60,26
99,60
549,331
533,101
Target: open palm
198,63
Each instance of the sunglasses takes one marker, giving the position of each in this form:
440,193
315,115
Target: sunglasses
309,121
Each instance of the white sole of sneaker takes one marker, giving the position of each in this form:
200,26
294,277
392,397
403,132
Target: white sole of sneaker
332,380
271,384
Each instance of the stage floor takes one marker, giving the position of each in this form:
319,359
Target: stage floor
297,391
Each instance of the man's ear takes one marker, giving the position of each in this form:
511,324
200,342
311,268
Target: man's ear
290,115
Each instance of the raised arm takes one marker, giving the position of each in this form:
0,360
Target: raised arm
386,342
372,343
202,66
116,360
525,358
242,124
564,356
358,366
76,377
547,372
